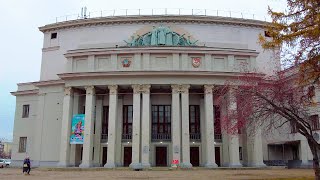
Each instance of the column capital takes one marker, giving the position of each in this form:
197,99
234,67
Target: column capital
89,90
68,91
141,88
180,88
113,89
145,88
208,88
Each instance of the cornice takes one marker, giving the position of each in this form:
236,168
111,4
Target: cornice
48,83
152,19
27,92
85,75
169,49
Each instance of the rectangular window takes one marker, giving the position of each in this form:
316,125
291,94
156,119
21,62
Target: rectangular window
22,144
161,119
315,122
127,119
194,119
240,153
293,127
105,120
25,111
54,35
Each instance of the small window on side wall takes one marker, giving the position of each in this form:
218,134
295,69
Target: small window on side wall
54,35
22,144
25,111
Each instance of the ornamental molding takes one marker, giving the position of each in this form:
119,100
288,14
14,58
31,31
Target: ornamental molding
113,89
89,90
141,88
68,91
180,88
27,92
208,88
48,83
152,19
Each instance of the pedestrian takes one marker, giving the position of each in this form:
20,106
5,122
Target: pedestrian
26,165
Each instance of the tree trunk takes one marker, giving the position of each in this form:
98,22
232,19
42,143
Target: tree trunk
316,168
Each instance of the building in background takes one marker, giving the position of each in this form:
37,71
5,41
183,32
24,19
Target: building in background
139,91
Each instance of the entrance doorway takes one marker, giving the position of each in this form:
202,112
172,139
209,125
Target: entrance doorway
127,156
104,155
194,156
161,156
217,155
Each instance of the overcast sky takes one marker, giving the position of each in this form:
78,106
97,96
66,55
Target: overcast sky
21,41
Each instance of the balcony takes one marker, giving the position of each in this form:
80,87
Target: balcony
126,137
161,137
104,138
218,138
195,136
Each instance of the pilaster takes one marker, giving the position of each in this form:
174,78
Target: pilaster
65,128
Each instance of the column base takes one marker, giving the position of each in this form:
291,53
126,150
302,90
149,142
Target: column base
146,165
136,166
234,165
63,164
109,165
86,165
254,164
186,165
210,165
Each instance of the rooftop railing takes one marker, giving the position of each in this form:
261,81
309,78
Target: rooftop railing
164,12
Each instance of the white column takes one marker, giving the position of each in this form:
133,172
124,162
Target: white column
145,127
66,128
113,99
74,111
135,164
303,151
254,147
185,127
209,127
175,124
233,139
97,134
88,128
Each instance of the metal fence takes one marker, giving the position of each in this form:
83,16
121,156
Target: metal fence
164,12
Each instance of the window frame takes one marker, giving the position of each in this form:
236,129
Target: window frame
314,121
125,119
166,122
23,144
54,35
196,122
25,110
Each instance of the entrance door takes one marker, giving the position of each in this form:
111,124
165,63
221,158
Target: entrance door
104,155
161,156
217,155
127,156
194,156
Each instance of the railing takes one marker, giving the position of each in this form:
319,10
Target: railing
161,137
104,138
218,138
195,136
164,12
126,137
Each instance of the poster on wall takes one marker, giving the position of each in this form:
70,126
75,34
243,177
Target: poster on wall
77,129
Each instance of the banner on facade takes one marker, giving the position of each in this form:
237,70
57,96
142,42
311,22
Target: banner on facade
77,129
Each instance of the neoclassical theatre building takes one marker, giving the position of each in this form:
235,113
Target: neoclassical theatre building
145,86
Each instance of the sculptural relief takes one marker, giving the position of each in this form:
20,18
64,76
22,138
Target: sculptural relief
161,36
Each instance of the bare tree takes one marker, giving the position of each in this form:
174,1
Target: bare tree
271,103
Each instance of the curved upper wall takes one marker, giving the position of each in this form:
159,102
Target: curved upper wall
218,41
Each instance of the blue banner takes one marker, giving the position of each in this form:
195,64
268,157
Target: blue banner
77,129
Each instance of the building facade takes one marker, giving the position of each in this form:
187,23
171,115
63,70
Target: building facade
146,85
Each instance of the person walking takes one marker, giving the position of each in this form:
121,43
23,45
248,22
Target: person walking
26,165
